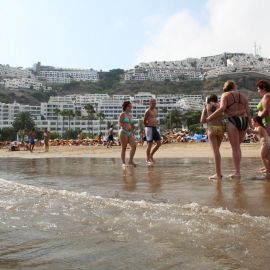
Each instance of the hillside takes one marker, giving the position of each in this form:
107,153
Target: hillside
111,83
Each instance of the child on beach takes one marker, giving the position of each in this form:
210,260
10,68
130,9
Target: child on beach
215,132
261,132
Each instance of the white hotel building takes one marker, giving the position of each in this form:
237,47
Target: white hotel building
14,72
45,116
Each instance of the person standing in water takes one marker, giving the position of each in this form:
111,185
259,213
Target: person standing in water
46,136
235,106
151,132
32,136
263,107
126,134
215,132
262,133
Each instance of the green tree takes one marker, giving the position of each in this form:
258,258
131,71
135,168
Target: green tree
57,112
191,118
54,135
173,119
196,128
67,113
70,114
90,110
70,134
23,121
78,114
8,134
63,114
101,117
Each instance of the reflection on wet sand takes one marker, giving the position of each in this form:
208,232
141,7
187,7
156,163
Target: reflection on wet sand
154,179
239,198
219,199
266,194
177,181
129,179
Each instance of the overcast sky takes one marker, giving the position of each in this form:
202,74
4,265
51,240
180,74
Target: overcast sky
109,34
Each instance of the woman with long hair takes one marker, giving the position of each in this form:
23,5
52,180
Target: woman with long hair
215,132
126,133
235,105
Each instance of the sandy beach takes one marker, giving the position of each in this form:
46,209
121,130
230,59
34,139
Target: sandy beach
181,150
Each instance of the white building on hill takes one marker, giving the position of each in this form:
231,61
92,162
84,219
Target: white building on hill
55,75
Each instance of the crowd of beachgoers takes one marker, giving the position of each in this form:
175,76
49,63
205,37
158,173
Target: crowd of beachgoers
227,119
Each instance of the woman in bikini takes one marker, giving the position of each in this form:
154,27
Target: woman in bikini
215,132
263,107
126,134
262,133
235,106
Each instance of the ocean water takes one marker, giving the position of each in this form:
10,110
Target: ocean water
80,213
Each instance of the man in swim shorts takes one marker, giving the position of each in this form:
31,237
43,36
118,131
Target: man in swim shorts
32,136
110,137
151,132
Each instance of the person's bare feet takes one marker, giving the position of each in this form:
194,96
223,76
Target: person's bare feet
215,177
149,163
132,164
235,176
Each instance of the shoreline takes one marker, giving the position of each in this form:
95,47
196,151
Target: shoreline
180,150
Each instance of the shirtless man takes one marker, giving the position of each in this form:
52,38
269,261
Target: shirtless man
32,136
151,132
110,137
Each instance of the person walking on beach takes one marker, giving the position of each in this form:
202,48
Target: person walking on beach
263,107
46,136
215,132
126,134
151,132
32,136
262,133
110,137
235,106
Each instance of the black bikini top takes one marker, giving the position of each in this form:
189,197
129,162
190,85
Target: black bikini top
235,101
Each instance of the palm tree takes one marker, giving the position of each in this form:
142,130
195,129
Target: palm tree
91,115
78,114
63,114
101,116
57,112
69,114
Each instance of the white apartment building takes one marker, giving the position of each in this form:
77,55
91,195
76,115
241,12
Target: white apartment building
90,98
25,83
61,99
122,97
63,76
198,68
7,71
190,104
11,110
45,114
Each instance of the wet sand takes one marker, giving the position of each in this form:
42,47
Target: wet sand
87,213
180,150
